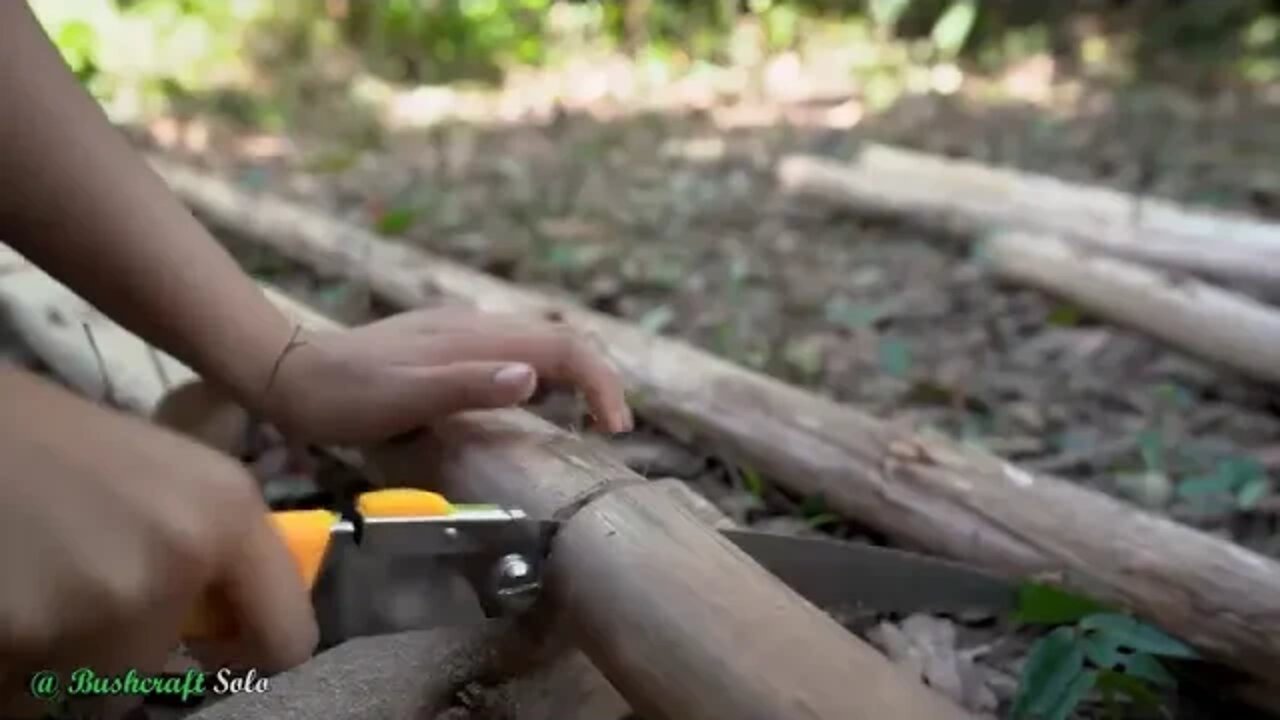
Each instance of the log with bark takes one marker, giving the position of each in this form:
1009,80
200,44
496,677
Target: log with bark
922,490
680,621
966,196
1215,325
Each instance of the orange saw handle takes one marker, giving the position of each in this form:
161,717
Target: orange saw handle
306,535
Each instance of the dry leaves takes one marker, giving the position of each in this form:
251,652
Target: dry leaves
926,646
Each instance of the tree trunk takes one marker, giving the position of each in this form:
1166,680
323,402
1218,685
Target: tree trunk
968,196
923,491
1205,321
684,624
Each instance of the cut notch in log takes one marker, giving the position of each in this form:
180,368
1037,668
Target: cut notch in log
966,196
681,622
923,491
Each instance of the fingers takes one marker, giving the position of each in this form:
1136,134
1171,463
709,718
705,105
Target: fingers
271,605
556,356
446,389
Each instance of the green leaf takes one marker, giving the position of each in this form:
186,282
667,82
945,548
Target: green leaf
396,221
561,256
753,481
895,357
1251,492
1065,316
1206,486
1243,469
1112,682
1045,604
1072,696
887,12
1148,668
952,29
1138,636
1151,445
1102,649
1052,669
823,520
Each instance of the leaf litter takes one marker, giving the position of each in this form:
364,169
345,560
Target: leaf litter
671,220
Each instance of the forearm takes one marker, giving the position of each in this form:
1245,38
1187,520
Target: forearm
77,200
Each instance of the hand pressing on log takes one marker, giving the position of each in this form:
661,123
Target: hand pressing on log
394,375
77,200
110,530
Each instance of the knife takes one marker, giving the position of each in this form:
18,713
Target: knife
500,553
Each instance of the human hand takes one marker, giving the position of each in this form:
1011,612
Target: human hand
398,374
112,529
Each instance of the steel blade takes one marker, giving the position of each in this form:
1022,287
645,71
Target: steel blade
500,552
497,531
846,576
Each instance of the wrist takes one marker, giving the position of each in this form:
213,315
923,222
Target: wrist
244,361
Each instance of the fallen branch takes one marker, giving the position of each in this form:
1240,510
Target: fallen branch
967,196
924,491
682,622
1203,320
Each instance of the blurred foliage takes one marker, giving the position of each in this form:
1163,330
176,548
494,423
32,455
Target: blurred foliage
140,48
432,41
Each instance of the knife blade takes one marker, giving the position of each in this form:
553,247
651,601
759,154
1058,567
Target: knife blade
848,576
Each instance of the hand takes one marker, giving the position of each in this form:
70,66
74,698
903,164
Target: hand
111,529
403,372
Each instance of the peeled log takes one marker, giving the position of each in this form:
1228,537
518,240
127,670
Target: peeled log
923,491
968,196
1205,321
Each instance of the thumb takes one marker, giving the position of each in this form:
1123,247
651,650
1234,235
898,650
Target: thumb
447,389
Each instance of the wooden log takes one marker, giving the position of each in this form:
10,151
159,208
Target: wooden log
1213,324
924,491
684,624
966,196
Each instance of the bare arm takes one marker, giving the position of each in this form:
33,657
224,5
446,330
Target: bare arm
77,200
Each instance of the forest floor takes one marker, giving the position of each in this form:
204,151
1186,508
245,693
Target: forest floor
667,213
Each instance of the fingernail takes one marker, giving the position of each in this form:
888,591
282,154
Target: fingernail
514,375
